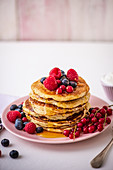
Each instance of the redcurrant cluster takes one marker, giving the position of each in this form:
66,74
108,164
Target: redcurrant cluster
95,120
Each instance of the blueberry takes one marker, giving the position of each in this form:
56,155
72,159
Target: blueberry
20,106
73,84
63,77
42,79
19,110
25,123
13,107
5,142
14,154
65,82
22,114
90,109
19,124
39,129
63,73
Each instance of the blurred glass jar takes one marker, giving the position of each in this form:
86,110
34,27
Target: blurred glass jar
107,84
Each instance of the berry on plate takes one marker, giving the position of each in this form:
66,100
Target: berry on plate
19,124
50,83
39,129
30,128
72,75
13,115
24,119
13,107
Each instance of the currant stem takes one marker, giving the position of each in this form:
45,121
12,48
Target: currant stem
110,105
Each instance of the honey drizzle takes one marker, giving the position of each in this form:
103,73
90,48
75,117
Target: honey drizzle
46,134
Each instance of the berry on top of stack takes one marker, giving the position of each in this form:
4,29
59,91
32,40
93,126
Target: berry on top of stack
57,102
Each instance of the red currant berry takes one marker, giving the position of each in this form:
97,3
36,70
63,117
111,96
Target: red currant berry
101,120
109,112
91,129
102,111
93,110
98,115
79,129
63,87
85,129
59,91
69,89
72,130
96,124
58,82
83,121
94,119
71,135
87,120
79,124
108,120
91,115
66,132
77,134
97,108
24,119
100,127
105,107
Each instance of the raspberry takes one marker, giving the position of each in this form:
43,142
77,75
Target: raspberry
59,91
69,89
13,115
72,75
30,127
50,83
56,72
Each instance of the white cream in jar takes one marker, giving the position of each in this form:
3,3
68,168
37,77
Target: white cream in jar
108,79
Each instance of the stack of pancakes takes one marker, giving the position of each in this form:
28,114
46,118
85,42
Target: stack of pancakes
56,112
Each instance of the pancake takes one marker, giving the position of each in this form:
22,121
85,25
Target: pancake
27,108
56,126
49,109
55,112
63,104
80,91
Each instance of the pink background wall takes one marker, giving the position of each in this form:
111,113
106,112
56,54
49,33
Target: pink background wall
56,20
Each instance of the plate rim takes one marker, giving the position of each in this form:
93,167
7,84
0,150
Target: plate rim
38,139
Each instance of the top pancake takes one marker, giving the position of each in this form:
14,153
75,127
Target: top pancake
80,91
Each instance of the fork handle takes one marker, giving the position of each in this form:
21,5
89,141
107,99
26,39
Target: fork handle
98,160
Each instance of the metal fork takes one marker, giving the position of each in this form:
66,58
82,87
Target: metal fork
99,159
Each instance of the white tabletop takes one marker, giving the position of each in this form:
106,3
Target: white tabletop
23,63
